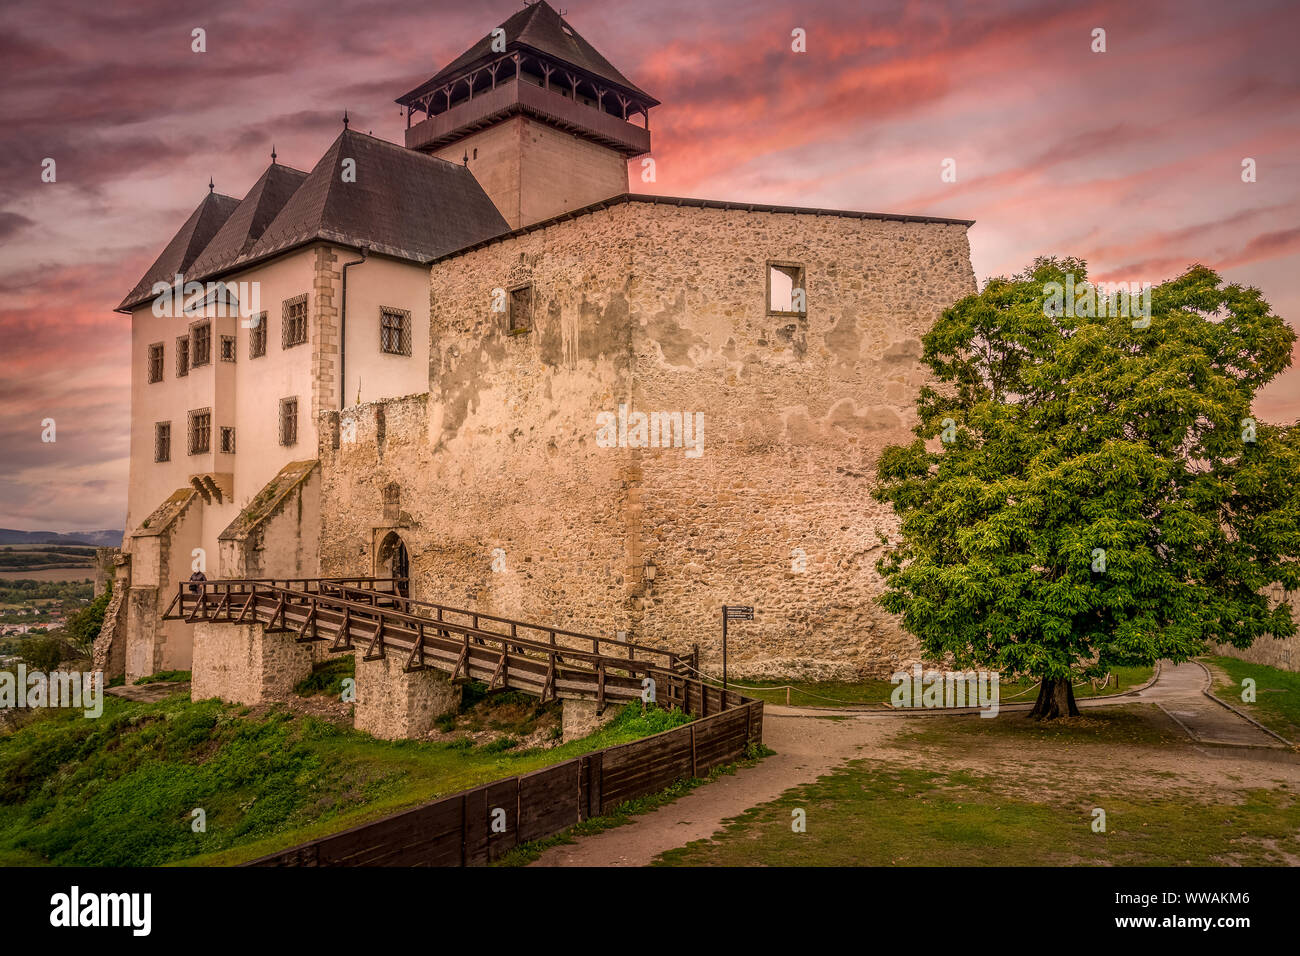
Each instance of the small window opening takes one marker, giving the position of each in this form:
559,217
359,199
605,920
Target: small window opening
786,290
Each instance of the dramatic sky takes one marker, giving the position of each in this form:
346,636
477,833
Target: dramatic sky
1130,159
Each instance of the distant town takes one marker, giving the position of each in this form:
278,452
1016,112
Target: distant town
45,578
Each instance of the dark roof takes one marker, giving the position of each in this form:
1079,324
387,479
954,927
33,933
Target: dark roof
702,204
184,247
247,223
403,204
539,28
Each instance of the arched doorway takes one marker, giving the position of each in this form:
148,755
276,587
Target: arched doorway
394,562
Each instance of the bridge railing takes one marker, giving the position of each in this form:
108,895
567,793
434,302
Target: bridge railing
669,660
229,601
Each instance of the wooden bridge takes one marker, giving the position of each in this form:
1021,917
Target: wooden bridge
370,615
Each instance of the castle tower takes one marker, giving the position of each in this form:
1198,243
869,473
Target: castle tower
543,121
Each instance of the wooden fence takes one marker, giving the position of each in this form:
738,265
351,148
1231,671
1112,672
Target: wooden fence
466,829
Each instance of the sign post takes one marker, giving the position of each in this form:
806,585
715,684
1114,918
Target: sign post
731,612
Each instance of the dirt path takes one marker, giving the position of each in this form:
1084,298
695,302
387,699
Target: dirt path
808,745
805,750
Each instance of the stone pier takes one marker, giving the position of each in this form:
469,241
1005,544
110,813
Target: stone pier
242,664
392,703
578,718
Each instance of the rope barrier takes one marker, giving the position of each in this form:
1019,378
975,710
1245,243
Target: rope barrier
807,693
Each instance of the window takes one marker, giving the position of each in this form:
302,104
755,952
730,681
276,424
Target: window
288,421
182,356
521,309
200,431
394,331
156,362
293,325
200,344
227,440
786,292
227,348
162,441
257,336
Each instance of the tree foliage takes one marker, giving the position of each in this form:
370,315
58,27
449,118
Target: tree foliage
1101,494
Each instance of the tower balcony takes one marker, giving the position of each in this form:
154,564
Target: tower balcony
513,96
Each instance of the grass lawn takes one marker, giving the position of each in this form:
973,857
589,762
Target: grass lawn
1011,792
1277,694
120,790
876,692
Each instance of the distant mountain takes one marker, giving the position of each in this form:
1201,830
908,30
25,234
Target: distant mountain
100,539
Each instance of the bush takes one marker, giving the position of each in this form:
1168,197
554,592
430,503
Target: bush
83,627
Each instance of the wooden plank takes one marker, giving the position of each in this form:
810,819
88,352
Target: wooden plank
549,800
584,787
482,844
376,641
595,802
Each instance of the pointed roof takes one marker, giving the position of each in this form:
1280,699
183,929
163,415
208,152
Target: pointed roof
184,247
249,220
539,28
402,204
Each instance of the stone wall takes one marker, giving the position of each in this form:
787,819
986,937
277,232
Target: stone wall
1280,652
508,503
105,565
242,664
161,555
392,703
276,534
109,653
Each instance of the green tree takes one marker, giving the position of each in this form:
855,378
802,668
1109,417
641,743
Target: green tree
1084,493
42,652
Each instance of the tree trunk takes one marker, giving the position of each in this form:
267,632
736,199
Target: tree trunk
1055,699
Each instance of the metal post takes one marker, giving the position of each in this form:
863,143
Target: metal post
724,653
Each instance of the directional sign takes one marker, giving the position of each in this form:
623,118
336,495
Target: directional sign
732,612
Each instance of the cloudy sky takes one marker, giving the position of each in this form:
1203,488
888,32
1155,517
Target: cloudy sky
1130,159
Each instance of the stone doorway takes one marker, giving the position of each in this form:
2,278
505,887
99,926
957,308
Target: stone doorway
394,562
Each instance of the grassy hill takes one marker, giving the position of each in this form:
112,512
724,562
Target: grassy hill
120,790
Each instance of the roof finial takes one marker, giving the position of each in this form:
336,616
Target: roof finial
345,119
211,186
273,153
465,160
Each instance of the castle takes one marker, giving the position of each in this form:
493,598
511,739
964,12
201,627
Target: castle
478,362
